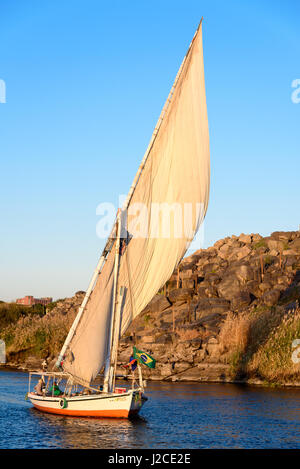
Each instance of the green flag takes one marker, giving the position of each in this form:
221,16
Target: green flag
144,358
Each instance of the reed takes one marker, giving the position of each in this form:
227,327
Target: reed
40,336
273,358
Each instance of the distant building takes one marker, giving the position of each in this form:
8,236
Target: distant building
30,301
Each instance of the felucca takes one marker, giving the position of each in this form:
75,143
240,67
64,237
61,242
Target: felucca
174,172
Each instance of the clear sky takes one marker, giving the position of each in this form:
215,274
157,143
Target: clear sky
85,84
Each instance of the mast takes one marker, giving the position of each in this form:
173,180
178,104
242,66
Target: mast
108,372
114,350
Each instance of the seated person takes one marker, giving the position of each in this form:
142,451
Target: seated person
40,387
54,390
86,391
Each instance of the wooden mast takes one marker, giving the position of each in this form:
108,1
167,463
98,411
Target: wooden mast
108,372
116,337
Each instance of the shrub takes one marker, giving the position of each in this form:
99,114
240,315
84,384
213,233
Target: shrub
260,244
12,312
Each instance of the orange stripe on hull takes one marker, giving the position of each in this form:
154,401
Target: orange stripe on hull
121,413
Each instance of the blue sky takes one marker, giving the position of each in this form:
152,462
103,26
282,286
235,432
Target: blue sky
85,84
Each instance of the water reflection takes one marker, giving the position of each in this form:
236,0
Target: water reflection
82,432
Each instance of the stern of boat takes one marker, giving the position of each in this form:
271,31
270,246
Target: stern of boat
137,402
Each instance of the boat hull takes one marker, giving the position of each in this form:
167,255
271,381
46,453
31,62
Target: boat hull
102,405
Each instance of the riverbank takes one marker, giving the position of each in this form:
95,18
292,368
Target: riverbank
229,313
185,380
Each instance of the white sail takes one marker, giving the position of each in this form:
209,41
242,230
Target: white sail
87,350
176,173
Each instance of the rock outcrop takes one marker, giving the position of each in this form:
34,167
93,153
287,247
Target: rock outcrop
240,276
216,311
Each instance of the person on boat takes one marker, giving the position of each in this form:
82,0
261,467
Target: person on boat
132,363
40,387
86,391
54,390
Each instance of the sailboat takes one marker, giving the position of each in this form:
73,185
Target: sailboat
136,262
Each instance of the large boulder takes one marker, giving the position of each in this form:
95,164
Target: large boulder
164,338
187,273
289,252
291,293
253,288
271,297
210,320
213,305
79,293
229,287
219,243
201,291
159,303
282,280
292,260
188,283
224,251
180,294
256,237
243,252
212,278
243,272
265,286
283,235
275,244
241,300
210,268
295,245
245,238
211,291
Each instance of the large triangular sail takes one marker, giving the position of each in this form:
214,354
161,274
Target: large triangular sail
173,184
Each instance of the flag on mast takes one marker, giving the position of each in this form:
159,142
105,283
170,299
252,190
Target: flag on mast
144,358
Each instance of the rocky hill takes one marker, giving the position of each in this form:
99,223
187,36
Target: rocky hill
228,313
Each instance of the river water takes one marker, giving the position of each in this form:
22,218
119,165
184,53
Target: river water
176,416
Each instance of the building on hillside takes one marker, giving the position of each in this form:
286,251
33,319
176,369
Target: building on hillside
30,301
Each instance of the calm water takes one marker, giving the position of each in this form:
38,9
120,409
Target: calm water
176,416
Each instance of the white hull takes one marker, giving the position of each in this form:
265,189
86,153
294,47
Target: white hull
98,405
